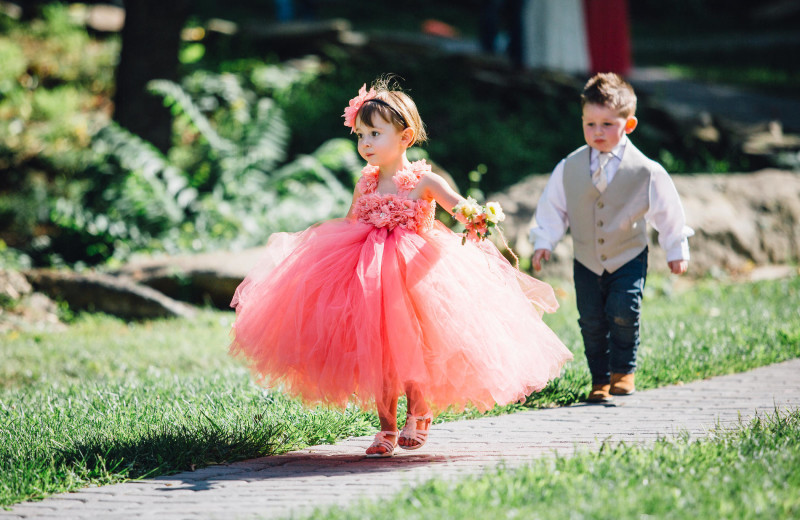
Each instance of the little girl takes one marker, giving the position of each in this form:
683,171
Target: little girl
388,301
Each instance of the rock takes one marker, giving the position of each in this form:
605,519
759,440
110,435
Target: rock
13,286
743,221
206,278
34,312
23,309
115,295
298,38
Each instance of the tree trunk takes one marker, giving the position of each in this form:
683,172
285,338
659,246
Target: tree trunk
150,45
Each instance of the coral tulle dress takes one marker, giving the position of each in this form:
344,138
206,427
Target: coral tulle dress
359,307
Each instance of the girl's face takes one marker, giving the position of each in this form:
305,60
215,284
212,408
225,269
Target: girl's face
381,144
603,127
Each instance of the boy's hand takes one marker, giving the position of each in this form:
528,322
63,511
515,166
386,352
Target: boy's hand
538,256
676,266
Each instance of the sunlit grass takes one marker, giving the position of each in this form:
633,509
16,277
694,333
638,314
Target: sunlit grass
103,348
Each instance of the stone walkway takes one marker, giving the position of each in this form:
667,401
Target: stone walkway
322,476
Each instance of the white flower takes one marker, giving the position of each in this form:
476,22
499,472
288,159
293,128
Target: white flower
468,207
494,213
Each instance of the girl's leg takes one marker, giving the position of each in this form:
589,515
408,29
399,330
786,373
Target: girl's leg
387,414
418,411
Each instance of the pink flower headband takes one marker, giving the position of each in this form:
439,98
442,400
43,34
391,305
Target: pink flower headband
351,112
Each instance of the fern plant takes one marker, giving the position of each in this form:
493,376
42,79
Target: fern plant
224,184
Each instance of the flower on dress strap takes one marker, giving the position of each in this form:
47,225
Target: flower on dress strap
405,180
420,168
351,112
369,179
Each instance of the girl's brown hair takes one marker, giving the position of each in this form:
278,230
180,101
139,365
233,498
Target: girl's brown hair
393,106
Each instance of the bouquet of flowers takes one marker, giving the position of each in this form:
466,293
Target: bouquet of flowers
478,220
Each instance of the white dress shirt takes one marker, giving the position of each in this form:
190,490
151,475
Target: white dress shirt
665,214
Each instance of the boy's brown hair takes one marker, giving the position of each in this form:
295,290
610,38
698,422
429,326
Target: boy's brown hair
611,91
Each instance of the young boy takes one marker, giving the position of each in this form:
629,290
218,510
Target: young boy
607,192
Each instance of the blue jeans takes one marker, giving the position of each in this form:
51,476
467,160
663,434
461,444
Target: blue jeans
609,307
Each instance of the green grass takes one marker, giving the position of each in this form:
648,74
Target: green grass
68,437
103,349
746,473
106,401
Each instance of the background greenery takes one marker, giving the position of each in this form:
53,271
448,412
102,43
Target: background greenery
258,143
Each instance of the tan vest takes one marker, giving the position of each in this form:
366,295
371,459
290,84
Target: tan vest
608,229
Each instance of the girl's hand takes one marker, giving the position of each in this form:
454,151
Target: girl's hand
678,266
538,256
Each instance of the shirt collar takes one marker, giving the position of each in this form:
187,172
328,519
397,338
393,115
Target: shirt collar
617,151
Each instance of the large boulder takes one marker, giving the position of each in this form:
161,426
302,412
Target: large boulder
101,292
205,278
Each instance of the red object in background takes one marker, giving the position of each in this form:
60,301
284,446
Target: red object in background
439,28
608,35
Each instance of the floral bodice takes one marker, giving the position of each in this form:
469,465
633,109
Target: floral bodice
389,210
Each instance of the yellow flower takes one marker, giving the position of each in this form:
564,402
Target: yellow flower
468,207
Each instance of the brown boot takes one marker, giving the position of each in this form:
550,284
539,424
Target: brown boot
599,394
622,384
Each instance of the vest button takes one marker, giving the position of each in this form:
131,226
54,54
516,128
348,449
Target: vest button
601,205
599,223
603,258
601,241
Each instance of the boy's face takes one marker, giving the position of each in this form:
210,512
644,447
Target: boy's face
603,127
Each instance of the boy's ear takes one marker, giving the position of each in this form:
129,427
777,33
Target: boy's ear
630,124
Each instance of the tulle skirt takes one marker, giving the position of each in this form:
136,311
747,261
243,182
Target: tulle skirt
345,310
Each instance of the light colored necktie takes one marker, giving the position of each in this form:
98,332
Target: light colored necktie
599,177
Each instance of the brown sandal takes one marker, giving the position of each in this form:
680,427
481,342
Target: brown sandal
381,441
411,433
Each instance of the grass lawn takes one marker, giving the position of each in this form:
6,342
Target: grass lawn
107,401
